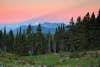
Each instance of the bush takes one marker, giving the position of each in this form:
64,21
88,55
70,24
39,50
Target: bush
90,54
82,54
99,63
74,55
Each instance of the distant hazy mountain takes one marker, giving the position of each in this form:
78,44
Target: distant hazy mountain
51,25
8,27
46,27
17,24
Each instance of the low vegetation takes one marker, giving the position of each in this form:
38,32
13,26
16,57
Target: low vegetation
61,59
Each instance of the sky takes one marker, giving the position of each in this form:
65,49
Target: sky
15,11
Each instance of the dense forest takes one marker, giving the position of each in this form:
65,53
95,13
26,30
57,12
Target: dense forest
84,34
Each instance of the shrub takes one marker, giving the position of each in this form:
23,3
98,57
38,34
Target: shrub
99,63
74,55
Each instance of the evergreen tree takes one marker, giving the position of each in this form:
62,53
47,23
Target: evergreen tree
29,38
4,39
49,39
55,41
40,41
10,44
92,33
97,30
1,39
72,35
79,34
85,22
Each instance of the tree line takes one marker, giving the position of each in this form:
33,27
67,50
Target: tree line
84,34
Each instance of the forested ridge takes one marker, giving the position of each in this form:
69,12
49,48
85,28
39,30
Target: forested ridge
84,34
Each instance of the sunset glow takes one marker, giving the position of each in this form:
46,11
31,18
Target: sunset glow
13,11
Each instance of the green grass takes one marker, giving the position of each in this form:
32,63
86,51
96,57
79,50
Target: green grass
49,59
52,59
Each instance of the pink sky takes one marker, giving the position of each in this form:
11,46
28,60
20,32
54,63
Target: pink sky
12,11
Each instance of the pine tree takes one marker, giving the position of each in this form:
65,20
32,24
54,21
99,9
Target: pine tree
86,23
39,40
71,21
49,37
55,41
78,34
92,33
29,37
1,40
10,44
72,35
16,43
97,33
4,39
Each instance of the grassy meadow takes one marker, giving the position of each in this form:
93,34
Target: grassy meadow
65,59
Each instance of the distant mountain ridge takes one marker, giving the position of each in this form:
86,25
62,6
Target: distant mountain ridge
47,26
